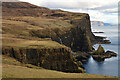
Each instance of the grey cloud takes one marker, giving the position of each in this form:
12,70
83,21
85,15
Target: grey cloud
105,7
66,5
79,5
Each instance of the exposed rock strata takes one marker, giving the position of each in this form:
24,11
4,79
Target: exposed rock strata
81,56
78,37
50,58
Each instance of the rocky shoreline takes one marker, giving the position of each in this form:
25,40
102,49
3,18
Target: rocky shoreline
81,56
98,55
46,38
102,56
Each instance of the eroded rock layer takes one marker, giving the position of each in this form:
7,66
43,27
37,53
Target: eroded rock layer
54,58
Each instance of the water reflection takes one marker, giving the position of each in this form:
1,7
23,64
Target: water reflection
110,65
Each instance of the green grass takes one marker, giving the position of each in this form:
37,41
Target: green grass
38,22
17,31
31,43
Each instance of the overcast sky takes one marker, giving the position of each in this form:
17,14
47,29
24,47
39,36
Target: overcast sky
99,10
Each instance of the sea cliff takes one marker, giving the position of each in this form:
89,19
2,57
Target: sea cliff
36,35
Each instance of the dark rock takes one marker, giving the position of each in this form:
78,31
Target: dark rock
105,42
98,32
93,49
48,58
98,58
101,40
101,55
80,64
99,51
111,53
58,15
81,56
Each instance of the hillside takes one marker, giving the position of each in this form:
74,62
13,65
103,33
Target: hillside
44,37
11,66
42,22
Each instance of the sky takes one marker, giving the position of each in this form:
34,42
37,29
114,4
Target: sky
99,10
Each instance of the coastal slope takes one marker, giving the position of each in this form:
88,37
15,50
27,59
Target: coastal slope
44,37
14,69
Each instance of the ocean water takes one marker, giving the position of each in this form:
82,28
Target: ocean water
110,65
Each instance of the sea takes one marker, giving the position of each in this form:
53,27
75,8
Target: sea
110,66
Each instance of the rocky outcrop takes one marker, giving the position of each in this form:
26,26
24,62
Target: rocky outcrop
81,56
101,55
98,58
105,55
111,53
50,58
101,40
98,32
78,37
99,51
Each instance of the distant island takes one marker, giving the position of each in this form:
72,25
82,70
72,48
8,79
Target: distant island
101,23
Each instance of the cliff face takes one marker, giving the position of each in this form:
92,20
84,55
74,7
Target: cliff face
70,29
23,23
79,37
50,58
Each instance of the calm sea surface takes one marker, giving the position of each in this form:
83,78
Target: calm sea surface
110,65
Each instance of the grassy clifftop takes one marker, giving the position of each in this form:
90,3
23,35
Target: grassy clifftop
42,52
69,29
44,37
12,41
